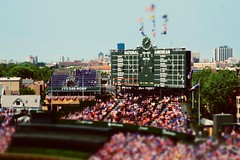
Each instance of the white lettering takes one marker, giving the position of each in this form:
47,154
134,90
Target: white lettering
143,128
73,88
130,52
146,59
162,52
84,122
169,133
115,124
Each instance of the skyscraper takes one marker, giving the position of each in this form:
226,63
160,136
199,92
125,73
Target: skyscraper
61,59
222,53
32,59
195,57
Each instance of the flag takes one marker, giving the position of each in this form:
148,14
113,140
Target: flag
164,16
151,17
189,76
194,87
142,31
150,8
154,23
164,28
143,34
153,32
140,20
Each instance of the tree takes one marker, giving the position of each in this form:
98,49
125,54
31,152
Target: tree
27,91
41,64
21,71
215,90
237,64
25,70
45,73
3,70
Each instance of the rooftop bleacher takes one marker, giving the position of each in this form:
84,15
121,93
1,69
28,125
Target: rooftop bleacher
58,80
85,77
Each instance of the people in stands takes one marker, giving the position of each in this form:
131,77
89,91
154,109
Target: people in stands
137,146
92,113
6,129
149,111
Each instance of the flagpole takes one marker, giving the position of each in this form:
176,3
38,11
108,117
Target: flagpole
51,89
199,104
191,77
51,93
192,96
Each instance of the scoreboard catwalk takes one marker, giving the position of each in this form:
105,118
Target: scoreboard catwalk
150,67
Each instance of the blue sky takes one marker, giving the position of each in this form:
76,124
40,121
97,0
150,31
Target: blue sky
80,29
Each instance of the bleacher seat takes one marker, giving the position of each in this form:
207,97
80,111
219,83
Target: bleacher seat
85,77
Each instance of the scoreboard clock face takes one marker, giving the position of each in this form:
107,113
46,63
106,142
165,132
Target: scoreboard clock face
146,43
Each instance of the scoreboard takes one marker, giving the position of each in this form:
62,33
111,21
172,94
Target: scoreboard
124,68
149,66
171,67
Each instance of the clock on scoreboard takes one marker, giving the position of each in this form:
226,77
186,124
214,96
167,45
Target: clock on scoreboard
146,43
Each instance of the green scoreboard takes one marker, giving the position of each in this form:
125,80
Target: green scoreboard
146,63
148,66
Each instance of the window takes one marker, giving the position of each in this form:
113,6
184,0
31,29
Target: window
35,100
17,102
150,69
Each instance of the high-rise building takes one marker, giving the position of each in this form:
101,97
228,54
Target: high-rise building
61,59
100,55
32,59
195,57
222,53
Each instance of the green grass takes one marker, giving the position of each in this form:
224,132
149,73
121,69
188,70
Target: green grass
53,153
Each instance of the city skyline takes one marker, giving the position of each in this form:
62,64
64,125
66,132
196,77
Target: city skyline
82,29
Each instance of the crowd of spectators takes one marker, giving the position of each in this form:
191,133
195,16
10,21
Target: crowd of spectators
143,111
131,146
151,111
6,128
92,113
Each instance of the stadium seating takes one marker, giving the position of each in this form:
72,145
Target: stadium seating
85,77
58,80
